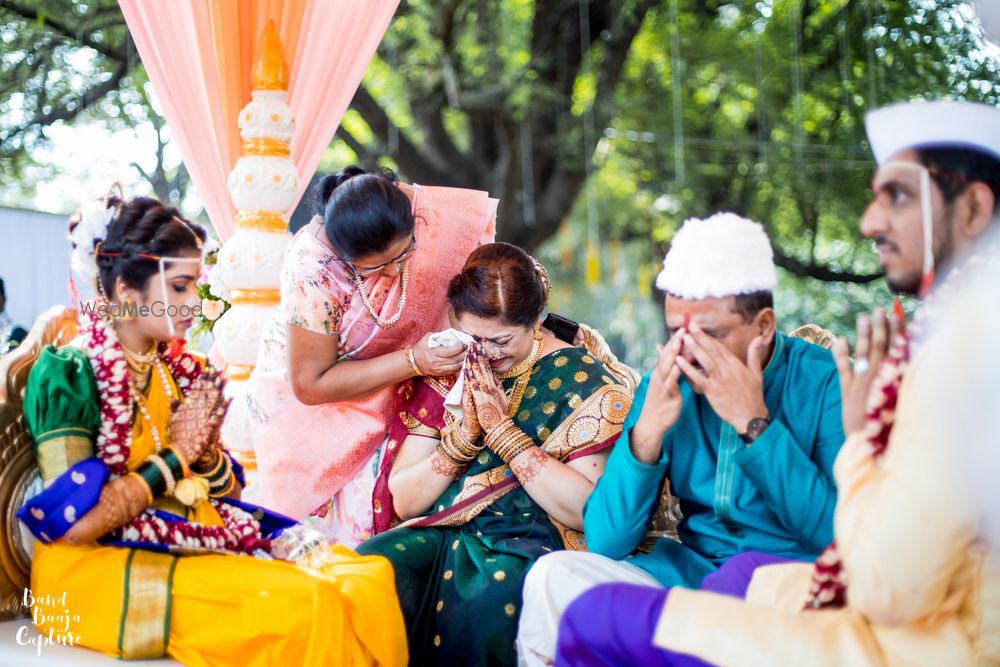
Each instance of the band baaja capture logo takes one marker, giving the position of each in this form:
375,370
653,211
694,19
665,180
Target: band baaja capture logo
56,617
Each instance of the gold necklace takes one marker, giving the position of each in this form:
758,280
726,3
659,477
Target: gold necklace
522,372
142,402
140,362
525,365
385,324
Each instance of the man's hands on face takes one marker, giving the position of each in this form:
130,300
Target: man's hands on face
662,405
734,390
874,338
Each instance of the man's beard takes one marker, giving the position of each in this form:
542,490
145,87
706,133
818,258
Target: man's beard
943,250
908,285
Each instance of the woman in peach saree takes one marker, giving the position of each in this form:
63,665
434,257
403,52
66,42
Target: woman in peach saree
361,290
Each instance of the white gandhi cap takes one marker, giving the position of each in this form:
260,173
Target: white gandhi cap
937,124
723,255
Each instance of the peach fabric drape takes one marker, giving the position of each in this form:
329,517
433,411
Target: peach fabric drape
198,55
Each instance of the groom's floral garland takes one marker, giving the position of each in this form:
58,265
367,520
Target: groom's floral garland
241,532
829,581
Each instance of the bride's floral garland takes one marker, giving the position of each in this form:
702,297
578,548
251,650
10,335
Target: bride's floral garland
241,532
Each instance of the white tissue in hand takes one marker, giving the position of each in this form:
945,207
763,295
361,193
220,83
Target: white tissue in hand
449,338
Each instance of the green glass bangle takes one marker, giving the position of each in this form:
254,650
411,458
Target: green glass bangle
209,471
173,462
153,477
221,478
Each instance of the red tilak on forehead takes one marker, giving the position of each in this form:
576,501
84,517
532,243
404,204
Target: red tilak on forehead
687,321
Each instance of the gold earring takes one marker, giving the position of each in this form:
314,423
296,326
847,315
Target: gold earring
128,310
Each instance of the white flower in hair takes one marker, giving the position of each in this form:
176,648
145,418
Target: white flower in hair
723,255
93,227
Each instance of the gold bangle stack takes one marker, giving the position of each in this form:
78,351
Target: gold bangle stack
454,447
213,469
508,440
221,483
224,491
410,359
219,475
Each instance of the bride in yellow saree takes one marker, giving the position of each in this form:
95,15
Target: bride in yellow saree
143,547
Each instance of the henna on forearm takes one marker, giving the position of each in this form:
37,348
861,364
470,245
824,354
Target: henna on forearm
442,466
121,501
529,464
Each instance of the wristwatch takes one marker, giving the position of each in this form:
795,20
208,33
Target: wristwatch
753,430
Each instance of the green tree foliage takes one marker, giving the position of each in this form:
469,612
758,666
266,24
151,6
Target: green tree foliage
66,62
757,108
601,124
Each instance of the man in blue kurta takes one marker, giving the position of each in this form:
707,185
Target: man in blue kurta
743,422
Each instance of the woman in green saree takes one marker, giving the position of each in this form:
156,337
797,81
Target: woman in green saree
480,489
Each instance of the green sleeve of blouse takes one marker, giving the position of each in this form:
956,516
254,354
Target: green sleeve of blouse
61,409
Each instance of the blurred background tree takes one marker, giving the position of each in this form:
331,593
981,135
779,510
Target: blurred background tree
600,124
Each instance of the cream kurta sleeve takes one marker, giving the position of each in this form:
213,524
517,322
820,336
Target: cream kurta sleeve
905,527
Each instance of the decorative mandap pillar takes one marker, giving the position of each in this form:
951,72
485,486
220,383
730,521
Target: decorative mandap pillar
264,185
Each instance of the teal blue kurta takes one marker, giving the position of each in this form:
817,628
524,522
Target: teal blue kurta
775,496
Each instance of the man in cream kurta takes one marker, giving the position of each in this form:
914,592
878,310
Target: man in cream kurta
922,588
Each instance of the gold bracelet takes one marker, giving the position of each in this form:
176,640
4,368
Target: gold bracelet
514,448
503,430
412,360
454,448
145,487
446,447
221,478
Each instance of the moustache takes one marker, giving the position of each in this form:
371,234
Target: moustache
883,242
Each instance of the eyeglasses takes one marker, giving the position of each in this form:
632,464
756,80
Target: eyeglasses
401,259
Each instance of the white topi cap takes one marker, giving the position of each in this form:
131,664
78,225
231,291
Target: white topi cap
937,124
723,255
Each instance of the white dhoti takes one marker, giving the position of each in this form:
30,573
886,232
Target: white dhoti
553,582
